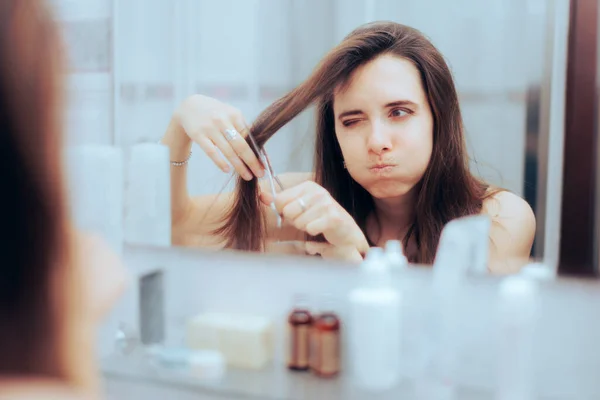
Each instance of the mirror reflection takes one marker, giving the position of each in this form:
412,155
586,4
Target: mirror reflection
375,124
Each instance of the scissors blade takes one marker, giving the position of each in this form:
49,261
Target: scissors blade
253,143
269,175
271,170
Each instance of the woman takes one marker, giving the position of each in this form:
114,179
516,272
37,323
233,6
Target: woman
49,307
390,159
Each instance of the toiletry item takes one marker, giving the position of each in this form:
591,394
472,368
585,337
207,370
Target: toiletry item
246,341
151,307
517,312
375,326
299,323
478,228
538,271
148,196
127,341
395,254
96,182
440,332
472,233
455,253
168,357
325,346
201,364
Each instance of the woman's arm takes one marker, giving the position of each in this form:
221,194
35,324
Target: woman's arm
220,131
205,121
200,216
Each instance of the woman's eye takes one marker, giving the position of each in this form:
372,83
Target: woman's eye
350,122
398,112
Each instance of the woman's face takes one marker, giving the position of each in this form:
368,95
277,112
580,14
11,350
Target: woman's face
384,126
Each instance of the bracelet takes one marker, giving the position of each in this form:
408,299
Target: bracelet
179,163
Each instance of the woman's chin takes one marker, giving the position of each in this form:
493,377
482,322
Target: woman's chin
388,190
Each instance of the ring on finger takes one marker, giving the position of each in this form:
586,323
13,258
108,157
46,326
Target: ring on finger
231,134
302,204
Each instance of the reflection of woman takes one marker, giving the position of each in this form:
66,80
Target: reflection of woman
390,159
54,284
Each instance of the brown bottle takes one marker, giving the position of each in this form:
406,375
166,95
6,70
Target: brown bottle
299,324
325,343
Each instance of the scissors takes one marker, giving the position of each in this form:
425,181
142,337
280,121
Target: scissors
262,154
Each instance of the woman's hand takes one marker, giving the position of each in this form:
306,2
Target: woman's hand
310,208
219,128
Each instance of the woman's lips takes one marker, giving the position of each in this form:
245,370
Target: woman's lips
382,168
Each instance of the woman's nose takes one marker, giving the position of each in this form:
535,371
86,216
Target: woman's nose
379,138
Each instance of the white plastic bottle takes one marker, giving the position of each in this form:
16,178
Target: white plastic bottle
375,326
440,331
478,228
516,317
395,255
538,271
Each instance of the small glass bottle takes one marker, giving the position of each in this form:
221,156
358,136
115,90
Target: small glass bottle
325,342
299,324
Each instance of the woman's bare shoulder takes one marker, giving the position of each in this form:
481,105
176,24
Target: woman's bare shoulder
514,224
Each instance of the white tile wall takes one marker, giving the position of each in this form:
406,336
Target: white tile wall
241,51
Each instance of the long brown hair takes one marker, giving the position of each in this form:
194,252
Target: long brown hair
34,230
447,190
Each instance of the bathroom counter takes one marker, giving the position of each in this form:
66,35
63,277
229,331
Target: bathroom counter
566,350
131,378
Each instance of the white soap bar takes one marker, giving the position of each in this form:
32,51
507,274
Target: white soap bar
245,341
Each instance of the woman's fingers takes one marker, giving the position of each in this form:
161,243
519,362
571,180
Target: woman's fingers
243,147
226,148
327,250
306,210
291,195
319,225
314,248
213,153
266,198
216,125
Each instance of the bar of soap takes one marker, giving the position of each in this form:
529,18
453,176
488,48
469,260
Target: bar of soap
245,341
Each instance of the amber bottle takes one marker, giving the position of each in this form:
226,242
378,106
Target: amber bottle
300,322
325,344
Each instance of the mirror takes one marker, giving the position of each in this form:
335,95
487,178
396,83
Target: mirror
133,63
